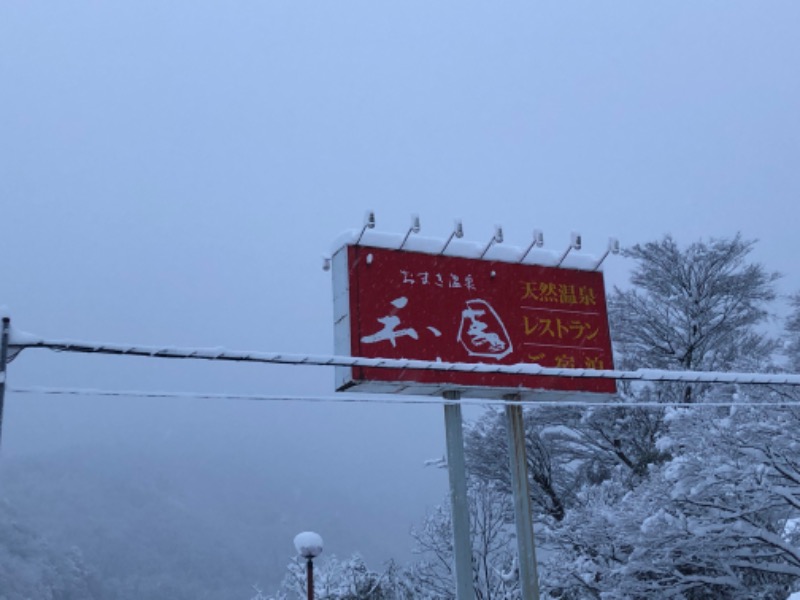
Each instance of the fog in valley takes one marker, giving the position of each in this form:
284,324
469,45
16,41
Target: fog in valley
172,174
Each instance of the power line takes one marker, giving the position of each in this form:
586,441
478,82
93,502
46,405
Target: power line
221,354
378,399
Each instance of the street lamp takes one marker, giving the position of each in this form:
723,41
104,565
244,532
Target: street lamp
309,546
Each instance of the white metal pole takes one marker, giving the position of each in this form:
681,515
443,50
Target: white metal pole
456,468
528,575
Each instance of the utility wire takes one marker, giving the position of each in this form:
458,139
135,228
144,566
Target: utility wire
221,354
380,399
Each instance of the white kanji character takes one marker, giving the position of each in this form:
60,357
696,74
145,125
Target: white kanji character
390,324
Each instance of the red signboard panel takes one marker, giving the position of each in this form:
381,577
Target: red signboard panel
443,308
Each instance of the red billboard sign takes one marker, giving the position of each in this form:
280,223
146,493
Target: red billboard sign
401,304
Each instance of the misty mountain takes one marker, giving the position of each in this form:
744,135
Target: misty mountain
144,528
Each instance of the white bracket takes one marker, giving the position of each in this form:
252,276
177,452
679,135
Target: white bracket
613,248
537,242
497,238
575,244
369,223
413,229
458,232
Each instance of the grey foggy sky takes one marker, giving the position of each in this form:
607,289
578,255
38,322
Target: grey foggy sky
171,173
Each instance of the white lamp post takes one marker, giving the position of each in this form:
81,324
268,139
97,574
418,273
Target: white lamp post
309,546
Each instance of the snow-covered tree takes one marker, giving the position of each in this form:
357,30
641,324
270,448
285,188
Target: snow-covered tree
350,579
487,459
792,331
719,519
32,567
566,448
697,308
737,487
495,574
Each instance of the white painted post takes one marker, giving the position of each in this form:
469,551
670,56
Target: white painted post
456,468
528,574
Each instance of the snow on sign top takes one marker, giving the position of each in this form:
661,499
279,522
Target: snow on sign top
465,249
391,303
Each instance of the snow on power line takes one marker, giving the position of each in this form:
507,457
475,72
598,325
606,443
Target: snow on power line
21,341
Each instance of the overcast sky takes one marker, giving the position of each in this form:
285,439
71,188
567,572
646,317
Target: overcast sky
172,173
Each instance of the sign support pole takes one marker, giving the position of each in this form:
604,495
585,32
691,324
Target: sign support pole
456,469
310,578
3,359
528,575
